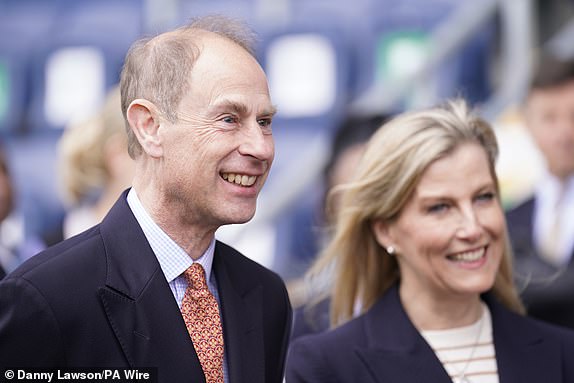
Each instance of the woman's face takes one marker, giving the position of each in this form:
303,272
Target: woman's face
449,237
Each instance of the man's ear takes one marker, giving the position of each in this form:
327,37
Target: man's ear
383,233
143,117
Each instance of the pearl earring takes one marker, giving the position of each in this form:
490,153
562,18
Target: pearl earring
391,250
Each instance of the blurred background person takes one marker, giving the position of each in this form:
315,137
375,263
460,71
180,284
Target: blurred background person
15,245
542,227
421,251
94,165
6,205
347,147
7,257
310,222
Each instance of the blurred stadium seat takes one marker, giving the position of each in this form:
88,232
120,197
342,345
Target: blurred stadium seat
24,28
13,68
243,10
400,43
308,70
353,24
82,59
32,161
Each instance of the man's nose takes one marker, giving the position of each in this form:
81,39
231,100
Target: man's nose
257,143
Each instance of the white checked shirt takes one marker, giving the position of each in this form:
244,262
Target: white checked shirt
173,260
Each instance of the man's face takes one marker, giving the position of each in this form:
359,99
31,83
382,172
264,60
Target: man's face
217,155
550,120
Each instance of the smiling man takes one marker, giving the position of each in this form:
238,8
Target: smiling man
150,286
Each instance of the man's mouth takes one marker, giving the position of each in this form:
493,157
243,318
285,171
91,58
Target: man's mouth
239,179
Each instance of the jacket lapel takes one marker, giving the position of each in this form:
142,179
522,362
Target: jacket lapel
522,353
241,304
139,304
395,351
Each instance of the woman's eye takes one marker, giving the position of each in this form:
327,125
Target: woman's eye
437,208
488,196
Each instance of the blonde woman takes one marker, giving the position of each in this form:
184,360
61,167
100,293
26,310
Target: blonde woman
420,250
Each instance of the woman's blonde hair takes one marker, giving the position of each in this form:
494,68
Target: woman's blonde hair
353,268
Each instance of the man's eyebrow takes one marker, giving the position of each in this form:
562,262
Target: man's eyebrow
232,106
240,108
271,111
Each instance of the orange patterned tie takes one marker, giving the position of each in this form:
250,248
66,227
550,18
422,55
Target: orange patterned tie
201,315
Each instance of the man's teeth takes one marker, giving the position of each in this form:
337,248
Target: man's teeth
238,179
468,256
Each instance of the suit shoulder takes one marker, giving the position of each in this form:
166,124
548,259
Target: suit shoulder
533,327
327,356
561,334
69,255
350,332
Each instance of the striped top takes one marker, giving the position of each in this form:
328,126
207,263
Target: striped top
466,356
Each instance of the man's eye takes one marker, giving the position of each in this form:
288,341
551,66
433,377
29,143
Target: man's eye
264,122
229,119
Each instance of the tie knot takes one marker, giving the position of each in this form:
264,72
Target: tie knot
195,276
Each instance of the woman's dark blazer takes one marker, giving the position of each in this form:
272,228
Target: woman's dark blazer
384,346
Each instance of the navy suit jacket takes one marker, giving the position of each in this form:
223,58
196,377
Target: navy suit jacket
547,291
101,299
384,346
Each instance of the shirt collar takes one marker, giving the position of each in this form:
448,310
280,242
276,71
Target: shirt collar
550,189
172,259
